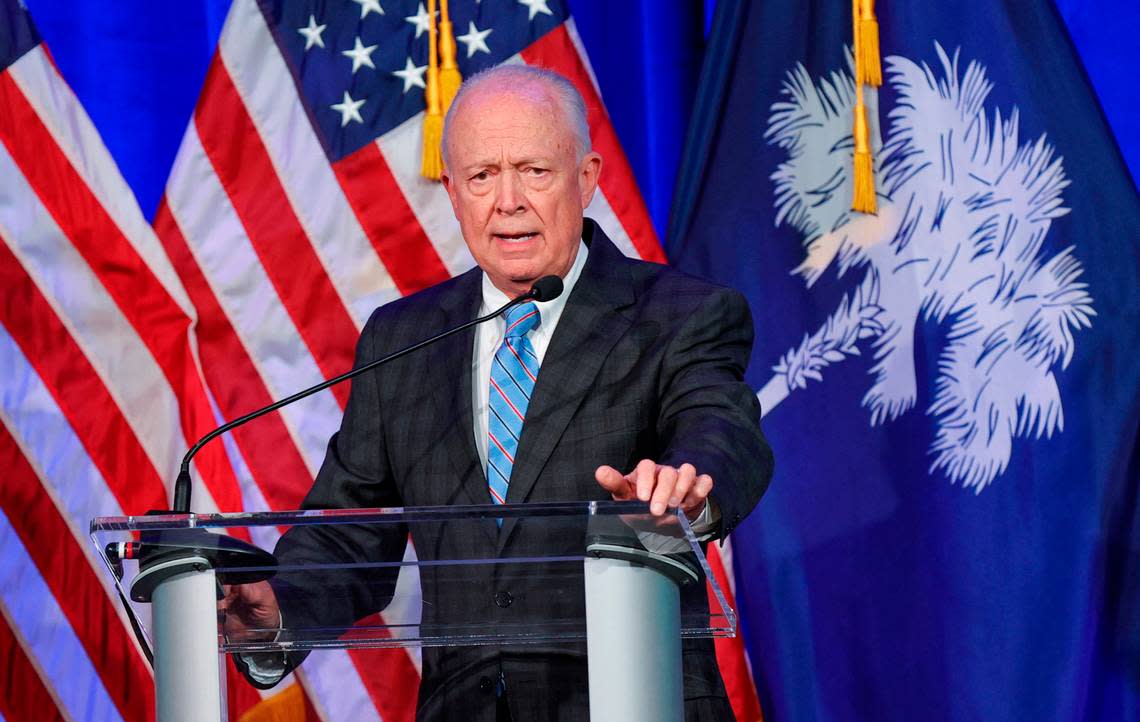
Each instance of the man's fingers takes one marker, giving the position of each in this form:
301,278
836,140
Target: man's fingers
663,491
699,494
686,475
646,477
613,481
660,486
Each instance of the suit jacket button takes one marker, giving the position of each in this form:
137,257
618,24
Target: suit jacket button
503,599
486,686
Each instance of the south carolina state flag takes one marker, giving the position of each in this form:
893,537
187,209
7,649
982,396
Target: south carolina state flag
950,384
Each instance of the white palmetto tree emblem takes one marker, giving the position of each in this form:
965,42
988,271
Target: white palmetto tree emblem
964,212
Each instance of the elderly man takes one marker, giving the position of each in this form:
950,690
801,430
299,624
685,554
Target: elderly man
629,385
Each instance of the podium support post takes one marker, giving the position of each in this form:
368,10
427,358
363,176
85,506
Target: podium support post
633,623
184,608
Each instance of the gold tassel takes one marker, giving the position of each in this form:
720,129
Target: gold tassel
863,193
285,706
432,163
449,77
868,68
863,196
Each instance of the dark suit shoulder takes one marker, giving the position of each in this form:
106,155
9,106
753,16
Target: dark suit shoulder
660,279
665,291
654,282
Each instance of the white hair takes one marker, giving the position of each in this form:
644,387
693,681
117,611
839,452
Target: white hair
522,79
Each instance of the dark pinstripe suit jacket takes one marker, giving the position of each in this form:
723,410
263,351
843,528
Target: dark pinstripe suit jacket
645,363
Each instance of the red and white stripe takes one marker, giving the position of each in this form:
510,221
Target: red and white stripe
54,153
102,391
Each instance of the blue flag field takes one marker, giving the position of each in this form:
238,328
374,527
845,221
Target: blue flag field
950,384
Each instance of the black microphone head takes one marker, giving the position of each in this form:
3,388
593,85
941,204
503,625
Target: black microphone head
546,288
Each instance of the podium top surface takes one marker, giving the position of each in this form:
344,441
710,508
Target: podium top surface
386,515
507,574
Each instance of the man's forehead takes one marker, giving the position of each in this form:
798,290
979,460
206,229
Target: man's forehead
519,124
500,106
502,92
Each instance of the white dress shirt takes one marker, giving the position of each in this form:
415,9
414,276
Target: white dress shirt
489,337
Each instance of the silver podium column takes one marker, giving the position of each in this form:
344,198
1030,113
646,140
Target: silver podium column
633,639
184,612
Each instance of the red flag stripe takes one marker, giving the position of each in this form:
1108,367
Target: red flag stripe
69,575
266,444
243,166
389,677
240,695
556,51
160,322
730,654
78,389
391,225
23,695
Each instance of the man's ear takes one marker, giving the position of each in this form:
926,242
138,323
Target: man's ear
588,172
446,179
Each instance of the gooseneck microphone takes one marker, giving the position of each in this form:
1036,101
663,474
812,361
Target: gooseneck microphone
546,288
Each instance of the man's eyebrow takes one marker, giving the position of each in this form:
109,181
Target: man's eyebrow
474,165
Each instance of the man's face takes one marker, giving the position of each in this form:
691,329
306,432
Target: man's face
516,185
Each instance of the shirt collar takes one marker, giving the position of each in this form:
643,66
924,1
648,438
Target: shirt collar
549,311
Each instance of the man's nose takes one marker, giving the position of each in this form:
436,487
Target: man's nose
511,198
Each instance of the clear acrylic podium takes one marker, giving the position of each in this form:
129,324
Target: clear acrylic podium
514,576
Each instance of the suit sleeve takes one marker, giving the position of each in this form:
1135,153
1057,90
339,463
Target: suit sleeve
709,416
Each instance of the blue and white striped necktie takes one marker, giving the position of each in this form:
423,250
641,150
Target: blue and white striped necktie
513,372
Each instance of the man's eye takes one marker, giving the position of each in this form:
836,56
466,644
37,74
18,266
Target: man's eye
481,176
537,171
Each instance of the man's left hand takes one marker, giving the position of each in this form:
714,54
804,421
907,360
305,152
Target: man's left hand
661,486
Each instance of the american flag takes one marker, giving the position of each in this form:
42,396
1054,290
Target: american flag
295,206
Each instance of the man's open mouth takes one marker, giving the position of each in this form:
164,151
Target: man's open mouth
515,237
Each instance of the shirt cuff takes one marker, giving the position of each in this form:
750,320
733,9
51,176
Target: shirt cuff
707,522
267,668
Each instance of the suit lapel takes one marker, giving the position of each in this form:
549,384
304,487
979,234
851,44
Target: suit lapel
589,327
451,367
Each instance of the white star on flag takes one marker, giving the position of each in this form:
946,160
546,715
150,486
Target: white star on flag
536,7
421,20
312,33
411,75
349,109
360,55
367,6
475,39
